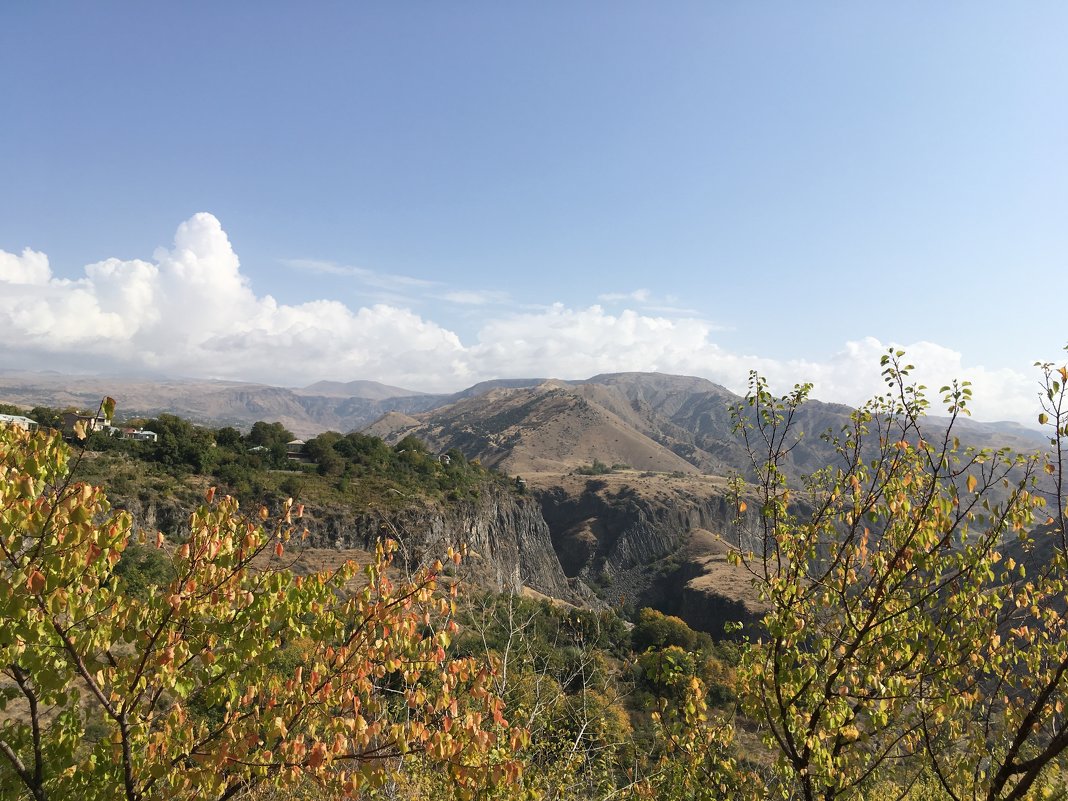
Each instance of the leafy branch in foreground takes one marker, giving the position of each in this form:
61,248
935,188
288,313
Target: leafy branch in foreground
905,641
235,674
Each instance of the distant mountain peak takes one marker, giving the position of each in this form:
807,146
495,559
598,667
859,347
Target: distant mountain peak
368,390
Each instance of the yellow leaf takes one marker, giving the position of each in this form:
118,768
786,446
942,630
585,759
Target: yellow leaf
971,483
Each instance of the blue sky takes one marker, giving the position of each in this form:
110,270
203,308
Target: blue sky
433,194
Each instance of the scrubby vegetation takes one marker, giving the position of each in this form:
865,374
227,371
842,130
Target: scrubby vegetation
596,468
331,469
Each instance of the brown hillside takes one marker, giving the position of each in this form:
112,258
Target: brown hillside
389,425
552,427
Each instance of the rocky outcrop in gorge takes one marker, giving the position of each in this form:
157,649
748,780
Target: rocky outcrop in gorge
663,546
508,541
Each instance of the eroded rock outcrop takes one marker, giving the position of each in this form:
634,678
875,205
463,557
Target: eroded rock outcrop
508,541
656,541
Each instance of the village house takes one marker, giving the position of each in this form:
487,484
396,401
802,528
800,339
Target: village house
93,422
140,434
18,421
101,423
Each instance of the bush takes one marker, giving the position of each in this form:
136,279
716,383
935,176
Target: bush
656,630
598,468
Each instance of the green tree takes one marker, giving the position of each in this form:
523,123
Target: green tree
228,437
317,447
180,681
657,630
180,445
411,444
330,464
269,434
46,416
900,643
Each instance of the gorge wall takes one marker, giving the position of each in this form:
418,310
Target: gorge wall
508,540
658,541
616,540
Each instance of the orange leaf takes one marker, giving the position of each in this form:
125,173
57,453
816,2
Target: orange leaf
36,582
317,756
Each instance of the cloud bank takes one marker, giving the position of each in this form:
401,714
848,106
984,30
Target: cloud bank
190,311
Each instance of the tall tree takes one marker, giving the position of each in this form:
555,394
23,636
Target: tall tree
233,674
901,641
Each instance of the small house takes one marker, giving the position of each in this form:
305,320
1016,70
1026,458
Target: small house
140,435
93,422
18,421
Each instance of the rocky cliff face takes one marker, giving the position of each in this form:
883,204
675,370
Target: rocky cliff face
169,515
610,527
641,541
657,542
508,540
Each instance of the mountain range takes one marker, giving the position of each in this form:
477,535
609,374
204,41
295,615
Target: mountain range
649,421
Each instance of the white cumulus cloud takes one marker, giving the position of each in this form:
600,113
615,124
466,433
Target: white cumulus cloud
191,311
29,268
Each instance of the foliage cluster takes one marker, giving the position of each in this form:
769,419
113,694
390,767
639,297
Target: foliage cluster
604,715
206,670
353,469
597,468
905,645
